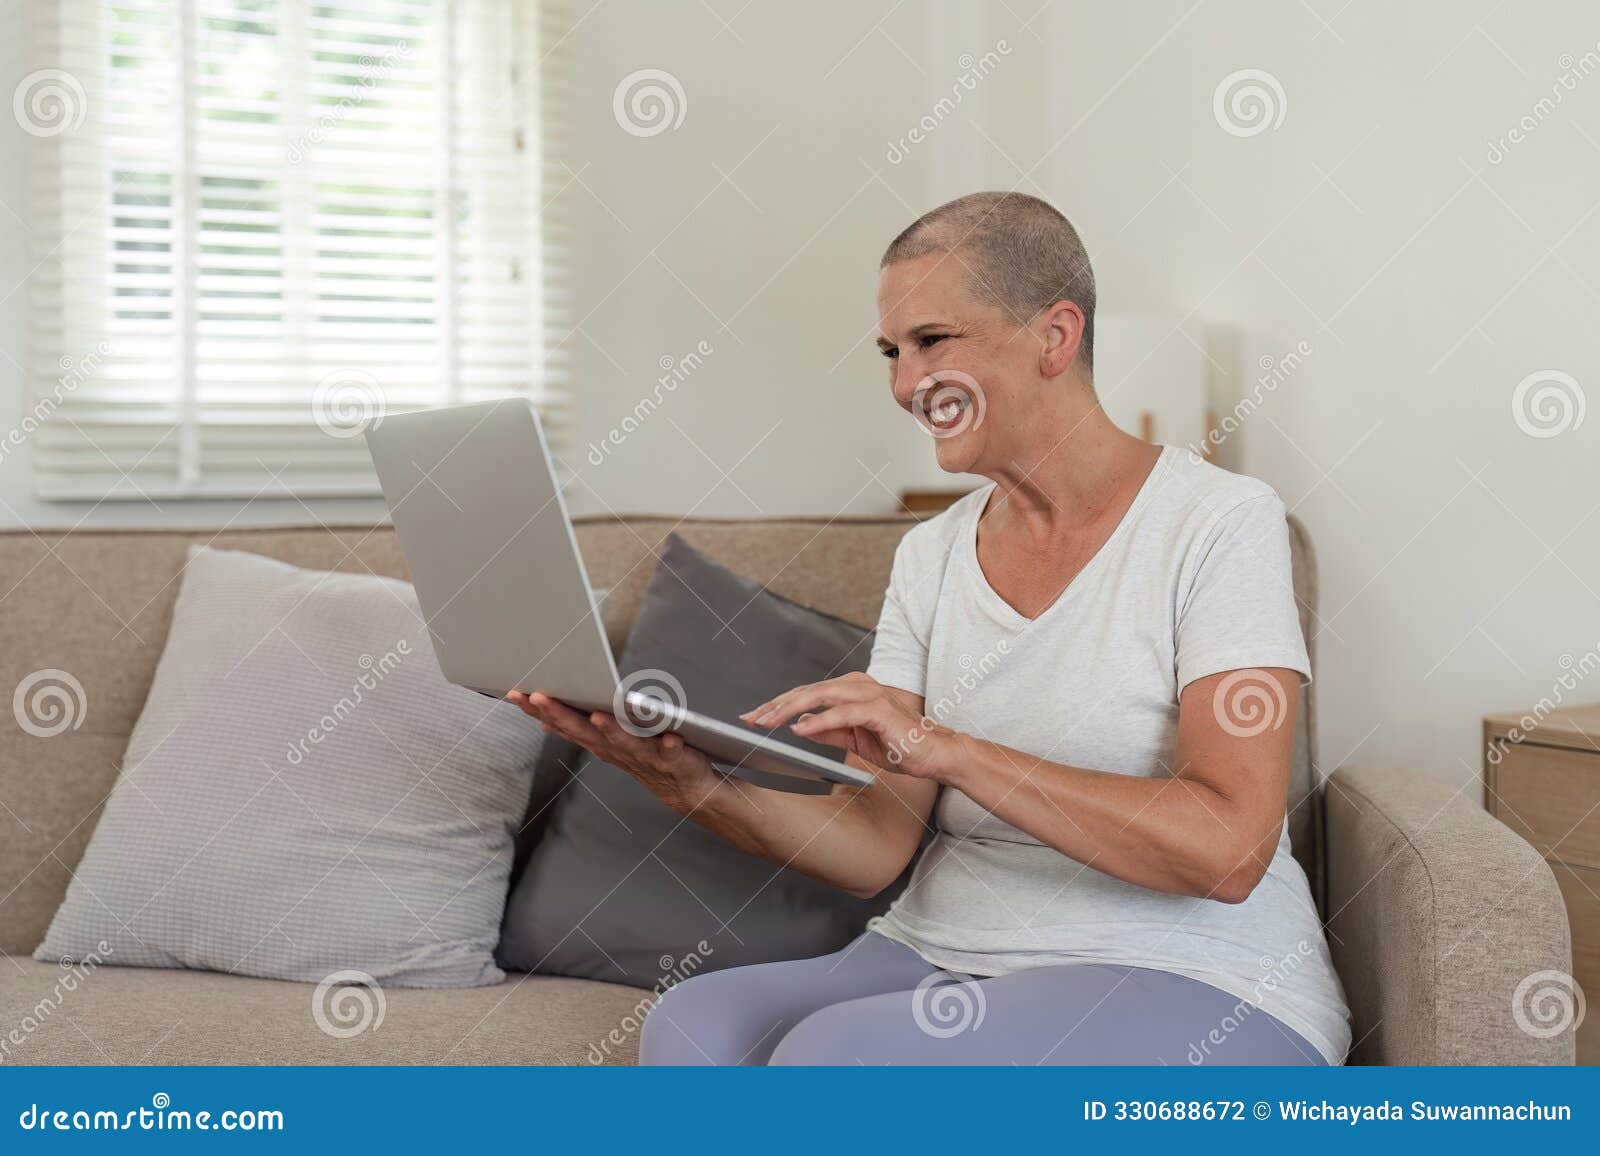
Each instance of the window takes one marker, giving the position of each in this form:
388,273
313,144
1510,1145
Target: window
267,223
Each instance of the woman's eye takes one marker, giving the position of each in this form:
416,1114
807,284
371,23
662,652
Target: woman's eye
931,339
891,353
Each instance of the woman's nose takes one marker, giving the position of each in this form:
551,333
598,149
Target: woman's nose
907,376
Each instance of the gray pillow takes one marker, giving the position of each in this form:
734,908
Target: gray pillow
304,793
619,888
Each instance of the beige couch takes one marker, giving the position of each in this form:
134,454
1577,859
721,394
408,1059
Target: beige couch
1435,911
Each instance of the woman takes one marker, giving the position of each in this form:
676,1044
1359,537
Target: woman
1085,673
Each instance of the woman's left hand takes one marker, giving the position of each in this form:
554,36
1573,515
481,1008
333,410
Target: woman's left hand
871,721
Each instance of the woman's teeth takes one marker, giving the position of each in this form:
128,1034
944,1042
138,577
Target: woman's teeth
947,413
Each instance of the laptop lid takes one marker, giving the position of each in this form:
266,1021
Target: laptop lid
474,499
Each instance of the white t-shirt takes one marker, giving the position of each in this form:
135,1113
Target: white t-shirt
1195,580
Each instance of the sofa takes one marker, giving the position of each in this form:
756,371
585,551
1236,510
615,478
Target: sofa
1435,911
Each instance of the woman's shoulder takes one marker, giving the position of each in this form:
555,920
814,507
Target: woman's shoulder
935,537
1201,491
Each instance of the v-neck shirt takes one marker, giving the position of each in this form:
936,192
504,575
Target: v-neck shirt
1195,580
1002,610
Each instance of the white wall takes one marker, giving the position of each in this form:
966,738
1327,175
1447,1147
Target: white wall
1460,556
755,227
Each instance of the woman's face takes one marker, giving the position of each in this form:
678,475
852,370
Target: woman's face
964,369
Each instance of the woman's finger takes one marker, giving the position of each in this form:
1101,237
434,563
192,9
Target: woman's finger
774,703
642,749
869,715
530,704
809,698
549,708
666,754
568,723
754,713
675,755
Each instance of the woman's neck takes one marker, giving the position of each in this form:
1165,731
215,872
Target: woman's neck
1063,482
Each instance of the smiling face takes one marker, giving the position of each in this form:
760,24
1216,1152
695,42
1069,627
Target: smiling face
973,376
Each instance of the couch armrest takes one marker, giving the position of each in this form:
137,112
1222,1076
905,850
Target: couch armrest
1437,912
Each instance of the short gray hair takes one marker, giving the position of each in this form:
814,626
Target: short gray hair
1020,253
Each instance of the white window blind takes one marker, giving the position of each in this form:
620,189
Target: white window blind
266,224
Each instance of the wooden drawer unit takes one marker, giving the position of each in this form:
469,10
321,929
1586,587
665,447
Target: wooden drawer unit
1543,781
1548,796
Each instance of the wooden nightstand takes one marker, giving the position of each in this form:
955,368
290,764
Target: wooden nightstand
926,503
1543,781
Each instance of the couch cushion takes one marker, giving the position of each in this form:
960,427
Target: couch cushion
134,1015
97,604
618,882
839,566
304,793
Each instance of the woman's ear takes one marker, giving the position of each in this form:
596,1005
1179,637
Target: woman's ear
1062,336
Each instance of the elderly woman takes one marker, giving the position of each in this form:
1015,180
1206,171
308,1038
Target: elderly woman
1085,675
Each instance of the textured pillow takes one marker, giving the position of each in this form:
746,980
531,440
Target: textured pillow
619,888
304,793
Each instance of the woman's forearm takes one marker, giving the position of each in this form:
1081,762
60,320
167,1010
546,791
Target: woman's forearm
1171,834
842,838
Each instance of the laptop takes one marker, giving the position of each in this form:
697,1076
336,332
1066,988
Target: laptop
473,494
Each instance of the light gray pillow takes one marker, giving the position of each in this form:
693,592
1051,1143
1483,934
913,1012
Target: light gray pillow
304,793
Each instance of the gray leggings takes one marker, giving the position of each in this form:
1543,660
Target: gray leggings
878,1002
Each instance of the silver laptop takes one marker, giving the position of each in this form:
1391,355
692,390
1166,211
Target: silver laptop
475,501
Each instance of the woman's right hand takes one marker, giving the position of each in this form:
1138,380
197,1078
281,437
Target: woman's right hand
675,773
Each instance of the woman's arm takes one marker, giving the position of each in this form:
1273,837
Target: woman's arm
1207,830
858,839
